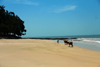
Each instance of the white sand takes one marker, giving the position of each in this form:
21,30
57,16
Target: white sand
45,53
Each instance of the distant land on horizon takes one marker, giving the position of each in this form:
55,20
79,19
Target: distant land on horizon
73,36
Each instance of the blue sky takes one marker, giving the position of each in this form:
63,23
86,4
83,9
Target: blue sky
57,17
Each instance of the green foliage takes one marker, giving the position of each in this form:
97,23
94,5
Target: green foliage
11,24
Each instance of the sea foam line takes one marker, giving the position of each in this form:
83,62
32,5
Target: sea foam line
91,41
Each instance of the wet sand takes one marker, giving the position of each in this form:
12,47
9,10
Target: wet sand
45,53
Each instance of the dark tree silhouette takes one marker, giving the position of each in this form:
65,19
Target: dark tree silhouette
11,24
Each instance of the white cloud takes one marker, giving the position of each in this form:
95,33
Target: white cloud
65,8
27,2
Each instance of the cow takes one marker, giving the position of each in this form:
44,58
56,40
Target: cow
70,43
66,42
57,41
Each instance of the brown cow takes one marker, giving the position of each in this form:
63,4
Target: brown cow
57,41
70,43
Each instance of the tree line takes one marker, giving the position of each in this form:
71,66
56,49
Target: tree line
11,24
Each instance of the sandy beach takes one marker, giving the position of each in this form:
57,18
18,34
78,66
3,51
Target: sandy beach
45,53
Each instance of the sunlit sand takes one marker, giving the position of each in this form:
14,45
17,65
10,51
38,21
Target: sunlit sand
45,53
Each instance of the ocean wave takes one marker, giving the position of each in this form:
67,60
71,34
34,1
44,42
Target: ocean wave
91,41
96,40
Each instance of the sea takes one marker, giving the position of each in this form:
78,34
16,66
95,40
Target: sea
91,42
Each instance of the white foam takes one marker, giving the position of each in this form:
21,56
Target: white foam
98,41
91,41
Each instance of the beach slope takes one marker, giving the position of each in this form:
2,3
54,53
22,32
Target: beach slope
45,53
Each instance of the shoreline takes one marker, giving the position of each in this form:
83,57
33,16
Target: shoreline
81,46
51,38
41,53
55,39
